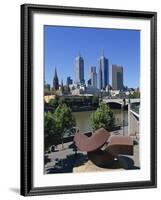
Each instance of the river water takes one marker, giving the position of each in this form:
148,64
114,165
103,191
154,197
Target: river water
83,119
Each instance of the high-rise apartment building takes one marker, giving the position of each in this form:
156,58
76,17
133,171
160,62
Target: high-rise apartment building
79,70
117,77
103,72
93,77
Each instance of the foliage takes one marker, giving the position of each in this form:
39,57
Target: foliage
49,123
135,95
63,118
57,123
61,101
49,130
53,103
102,118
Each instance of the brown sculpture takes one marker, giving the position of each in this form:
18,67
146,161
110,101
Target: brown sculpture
102,148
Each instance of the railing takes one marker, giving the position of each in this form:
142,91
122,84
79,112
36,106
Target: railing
135,107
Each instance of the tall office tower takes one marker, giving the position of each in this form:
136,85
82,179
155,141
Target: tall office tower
55,81
93,77
89,82
103,72
69,81
79,70
117,77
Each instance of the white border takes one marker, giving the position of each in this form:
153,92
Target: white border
41,180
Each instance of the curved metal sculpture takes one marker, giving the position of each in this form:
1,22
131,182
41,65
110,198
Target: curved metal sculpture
102,148
85,143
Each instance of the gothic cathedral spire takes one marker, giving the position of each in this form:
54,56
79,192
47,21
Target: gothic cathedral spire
55,81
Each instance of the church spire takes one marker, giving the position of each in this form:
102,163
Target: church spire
55,81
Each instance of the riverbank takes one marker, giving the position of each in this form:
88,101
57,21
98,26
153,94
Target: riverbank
83,122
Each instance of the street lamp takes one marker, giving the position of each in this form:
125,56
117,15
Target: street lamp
123,107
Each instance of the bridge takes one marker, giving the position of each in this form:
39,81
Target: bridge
120,101
133,113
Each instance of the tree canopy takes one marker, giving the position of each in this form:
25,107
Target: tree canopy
57,123
134,95
103,118
51,135
64,118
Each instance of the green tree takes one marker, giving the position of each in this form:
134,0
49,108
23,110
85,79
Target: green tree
61,100
53,103
102,118
64,120
135,95
51,136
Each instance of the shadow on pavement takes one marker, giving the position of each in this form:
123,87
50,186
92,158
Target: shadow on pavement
126,163
108,162
66,165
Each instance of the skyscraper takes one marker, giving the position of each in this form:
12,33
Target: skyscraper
79,73
89,82
55,81
103,72
93,77
69,81
117,77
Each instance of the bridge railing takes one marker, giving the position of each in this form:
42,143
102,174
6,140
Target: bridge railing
135,107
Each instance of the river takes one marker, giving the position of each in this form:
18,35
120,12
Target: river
83,119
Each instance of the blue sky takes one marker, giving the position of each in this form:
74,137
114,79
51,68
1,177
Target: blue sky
63,44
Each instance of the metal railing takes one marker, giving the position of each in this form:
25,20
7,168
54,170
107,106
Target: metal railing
135,107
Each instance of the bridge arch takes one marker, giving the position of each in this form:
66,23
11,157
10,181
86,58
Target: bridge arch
115,105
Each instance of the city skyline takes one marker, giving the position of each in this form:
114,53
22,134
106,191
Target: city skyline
61,55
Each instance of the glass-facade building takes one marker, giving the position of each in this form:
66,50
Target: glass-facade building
103,72
117,77
79,70
69,81
93,77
